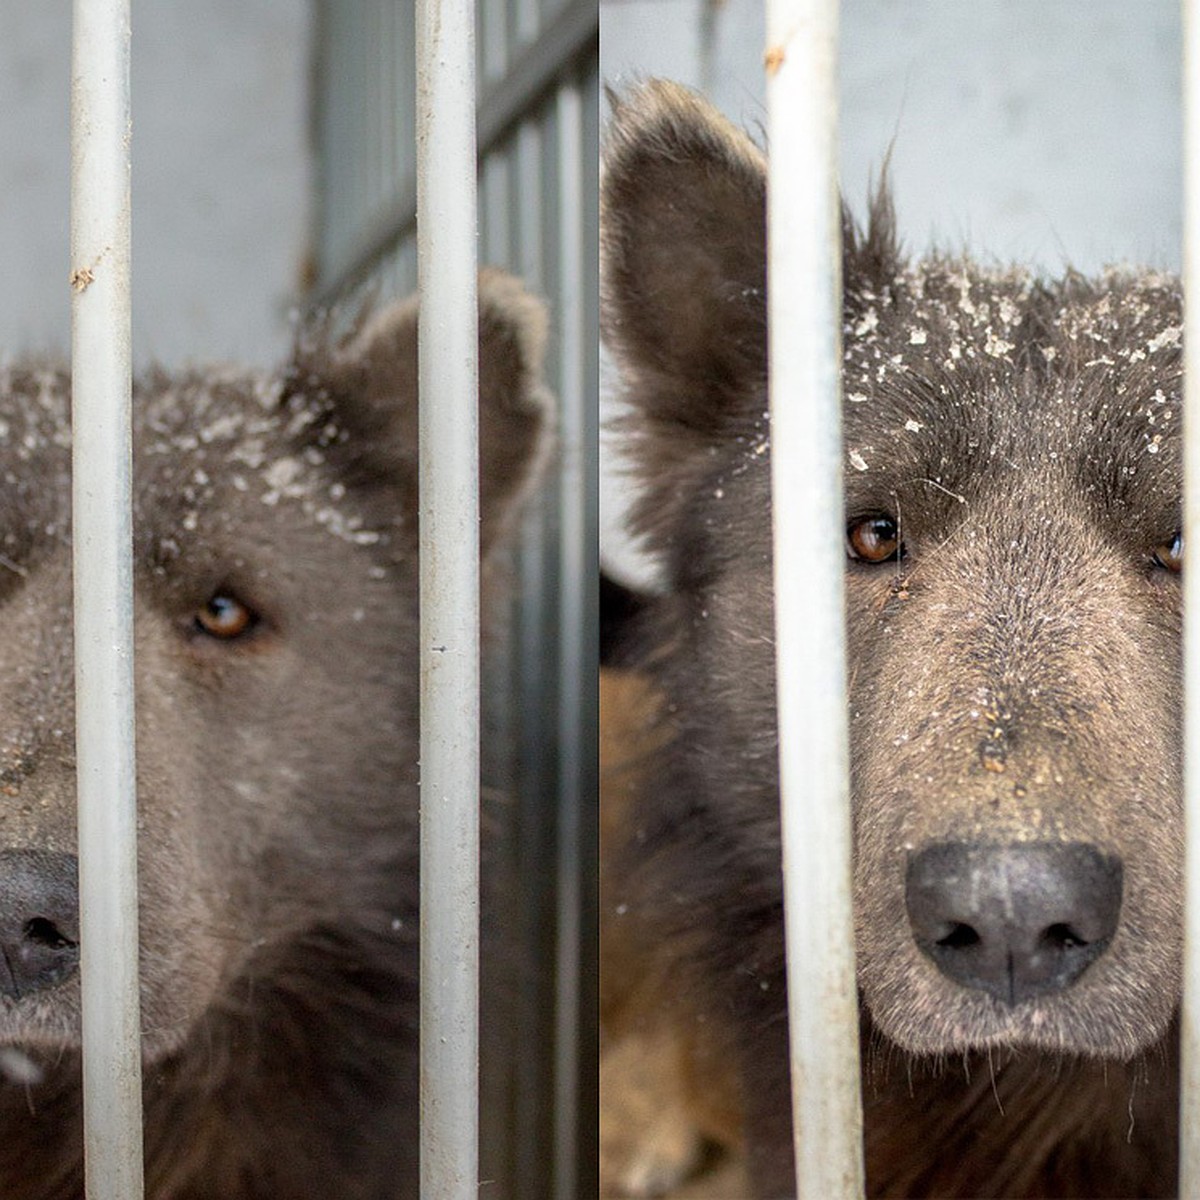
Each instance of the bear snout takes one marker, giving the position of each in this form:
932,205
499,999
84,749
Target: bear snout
1015,921
39,920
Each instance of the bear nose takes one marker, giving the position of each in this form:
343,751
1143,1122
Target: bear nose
1014,921
39,920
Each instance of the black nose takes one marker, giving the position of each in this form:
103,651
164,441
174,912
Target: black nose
1014,921
39,920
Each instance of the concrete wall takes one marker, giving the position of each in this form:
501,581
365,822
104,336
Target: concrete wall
221,176
1046,133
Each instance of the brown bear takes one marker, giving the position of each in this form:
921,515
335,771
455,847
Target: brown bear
1013,551
275,521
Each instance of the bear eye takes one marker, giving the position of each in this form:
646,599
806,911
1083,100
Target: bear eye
875,540
1170,554
225,617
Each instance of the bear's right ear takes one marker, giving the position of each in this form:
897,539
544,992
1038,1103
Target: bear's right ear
370,377
683,246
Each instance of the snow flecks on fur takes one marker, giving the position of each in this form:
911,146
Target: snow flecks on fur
204,443
965,309
246,431
933,310
958,334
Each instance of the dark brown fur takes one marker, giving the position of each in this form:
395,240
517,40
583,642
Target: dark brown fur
1014,677
276,772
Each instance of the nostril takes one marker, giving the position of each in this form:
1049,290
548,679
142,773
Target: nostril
960,937
39,920
1062,937
43,932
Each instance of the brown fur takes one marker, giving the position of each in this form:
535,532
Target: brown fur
276,772
1014,676
667,1095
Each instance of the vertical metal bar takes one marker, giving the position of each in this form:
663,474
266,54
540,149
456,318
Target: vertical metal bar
361,75
449,554
394,80
1189,1107
532,1118
806,446
331,50
493,39
107,794
405,109
577,570
494,222
528,19
372,58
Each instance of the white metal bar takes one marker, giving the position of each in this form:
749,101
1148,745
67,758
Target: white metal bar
1189,1106
449,457
573,28
107,794
575,559
805,365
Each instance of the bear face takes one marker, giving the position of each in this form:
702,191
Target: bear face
1012,511
275,565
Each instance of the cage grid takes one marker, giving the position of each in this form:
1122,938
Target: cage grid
537,137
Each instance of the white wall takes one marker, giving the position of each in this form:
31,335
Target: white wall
221,176
1044,132
1041,132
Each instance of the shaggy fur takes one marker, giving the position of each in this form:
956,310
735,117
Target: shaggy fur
1014,673
276,768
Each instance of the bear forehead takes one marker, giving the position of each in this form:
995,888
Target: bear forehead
247,430
173,416
216,437
955,316
948,360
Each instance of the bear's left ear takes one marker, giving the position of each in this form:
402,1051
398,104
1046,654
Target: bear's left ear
371,380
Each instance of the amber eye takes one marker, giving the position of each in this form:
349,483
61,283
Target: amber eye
1170,554
225,617
875,540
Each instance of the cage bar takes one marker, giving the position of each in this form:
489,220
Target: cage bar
449,636
570,32
103,546
1189,1101
578,571
805,364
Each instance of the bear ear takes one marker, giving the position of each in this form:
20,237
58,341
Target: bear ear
683,247
515,405
371,379
684,253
